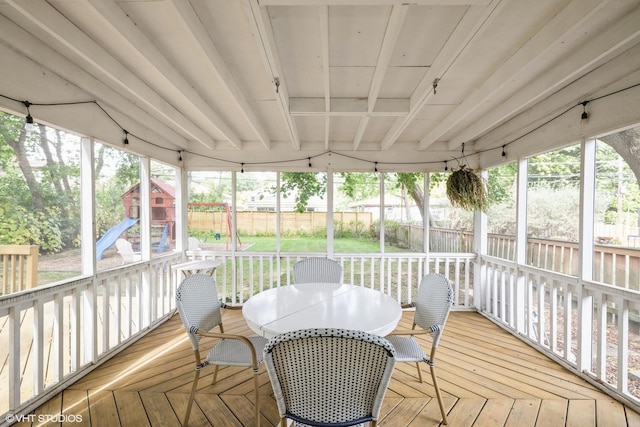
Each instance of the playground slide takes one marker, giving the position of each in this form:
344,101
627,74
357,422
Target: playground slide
112,235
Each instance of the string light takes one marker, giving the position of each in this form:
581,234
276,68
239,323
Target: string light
29,125
585,115
446,167
241,167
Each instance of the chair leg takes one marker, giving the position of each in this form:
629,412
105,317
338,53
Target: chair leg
257,398
191,396
419,371
438,395
215,374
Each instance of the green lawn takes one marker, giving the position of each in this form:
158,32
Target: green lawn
314,244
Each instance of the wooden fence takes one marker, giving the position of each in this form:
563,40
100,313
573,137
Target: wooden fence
264,222
19,267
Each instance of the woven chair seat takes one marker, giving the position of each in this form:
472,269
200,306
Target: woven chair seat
407,349
235,353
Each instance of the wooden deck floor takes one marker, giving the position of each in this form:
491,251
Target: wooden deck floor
488,378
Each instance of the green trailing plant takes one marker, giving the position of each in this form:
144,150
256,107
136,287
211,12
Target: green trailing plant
467,190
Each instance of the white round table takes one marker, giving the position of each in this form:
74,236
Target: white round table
321,305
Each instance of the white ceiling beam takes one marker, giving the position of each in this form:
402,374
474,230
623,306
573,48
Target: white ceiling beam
201,39
472,24
374,2
30,47
394,27
601,48
323,15
202,112
613,72
519,68
93,56
263,33
385,107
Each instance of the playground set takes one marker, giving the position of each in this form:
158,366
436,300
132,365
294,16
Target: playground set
227,219
162,218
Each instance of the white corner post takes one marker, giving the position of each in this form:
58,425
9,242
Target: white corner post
480,248
426,218
146,297
182,209
330,214
586,253
521,244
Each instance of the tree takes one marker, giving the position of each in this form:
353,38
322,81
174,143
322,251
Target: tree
303,185
627,145
37,199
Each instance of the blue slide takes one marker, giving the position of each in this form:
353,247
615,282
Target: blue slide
112,235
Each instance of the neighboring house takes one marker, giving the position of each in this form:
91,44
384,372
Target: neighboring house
394,209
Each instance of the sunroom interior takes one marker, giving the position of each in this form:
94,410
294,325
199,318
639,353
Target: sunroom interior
163,99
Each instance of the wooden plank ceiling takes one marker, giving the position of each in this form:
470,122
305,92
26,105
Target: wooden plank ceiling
341,84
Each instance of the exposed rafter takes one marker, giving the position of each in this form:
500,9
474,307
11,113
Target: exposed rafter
475,20
323,16
520,67
604,46
67,70
192,103
398,14
261,26
82,48
201,39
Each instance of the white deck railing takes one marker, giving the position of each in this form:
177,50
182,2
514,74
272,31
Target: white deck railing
57,333
244,274
52,335
585,326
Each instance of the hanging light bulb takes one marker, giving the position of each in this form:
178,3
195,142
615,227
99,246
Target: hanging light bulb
584,115
126,137
30,126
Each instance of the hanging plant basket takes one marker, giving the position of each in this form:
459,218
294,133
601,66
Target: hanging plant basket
466,190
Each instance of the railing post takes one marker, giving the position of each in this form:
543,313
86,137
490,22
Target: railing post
32,267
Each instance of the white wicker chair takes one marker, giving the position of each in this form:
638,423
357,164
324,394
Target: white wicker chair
199,308
329,377
433,304
317,269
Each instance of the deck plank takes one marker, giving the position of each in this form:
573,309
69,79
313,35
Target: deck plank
465,412
494,413
103,408
553,412
488,378
581,413
523,413
130,409
610,413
